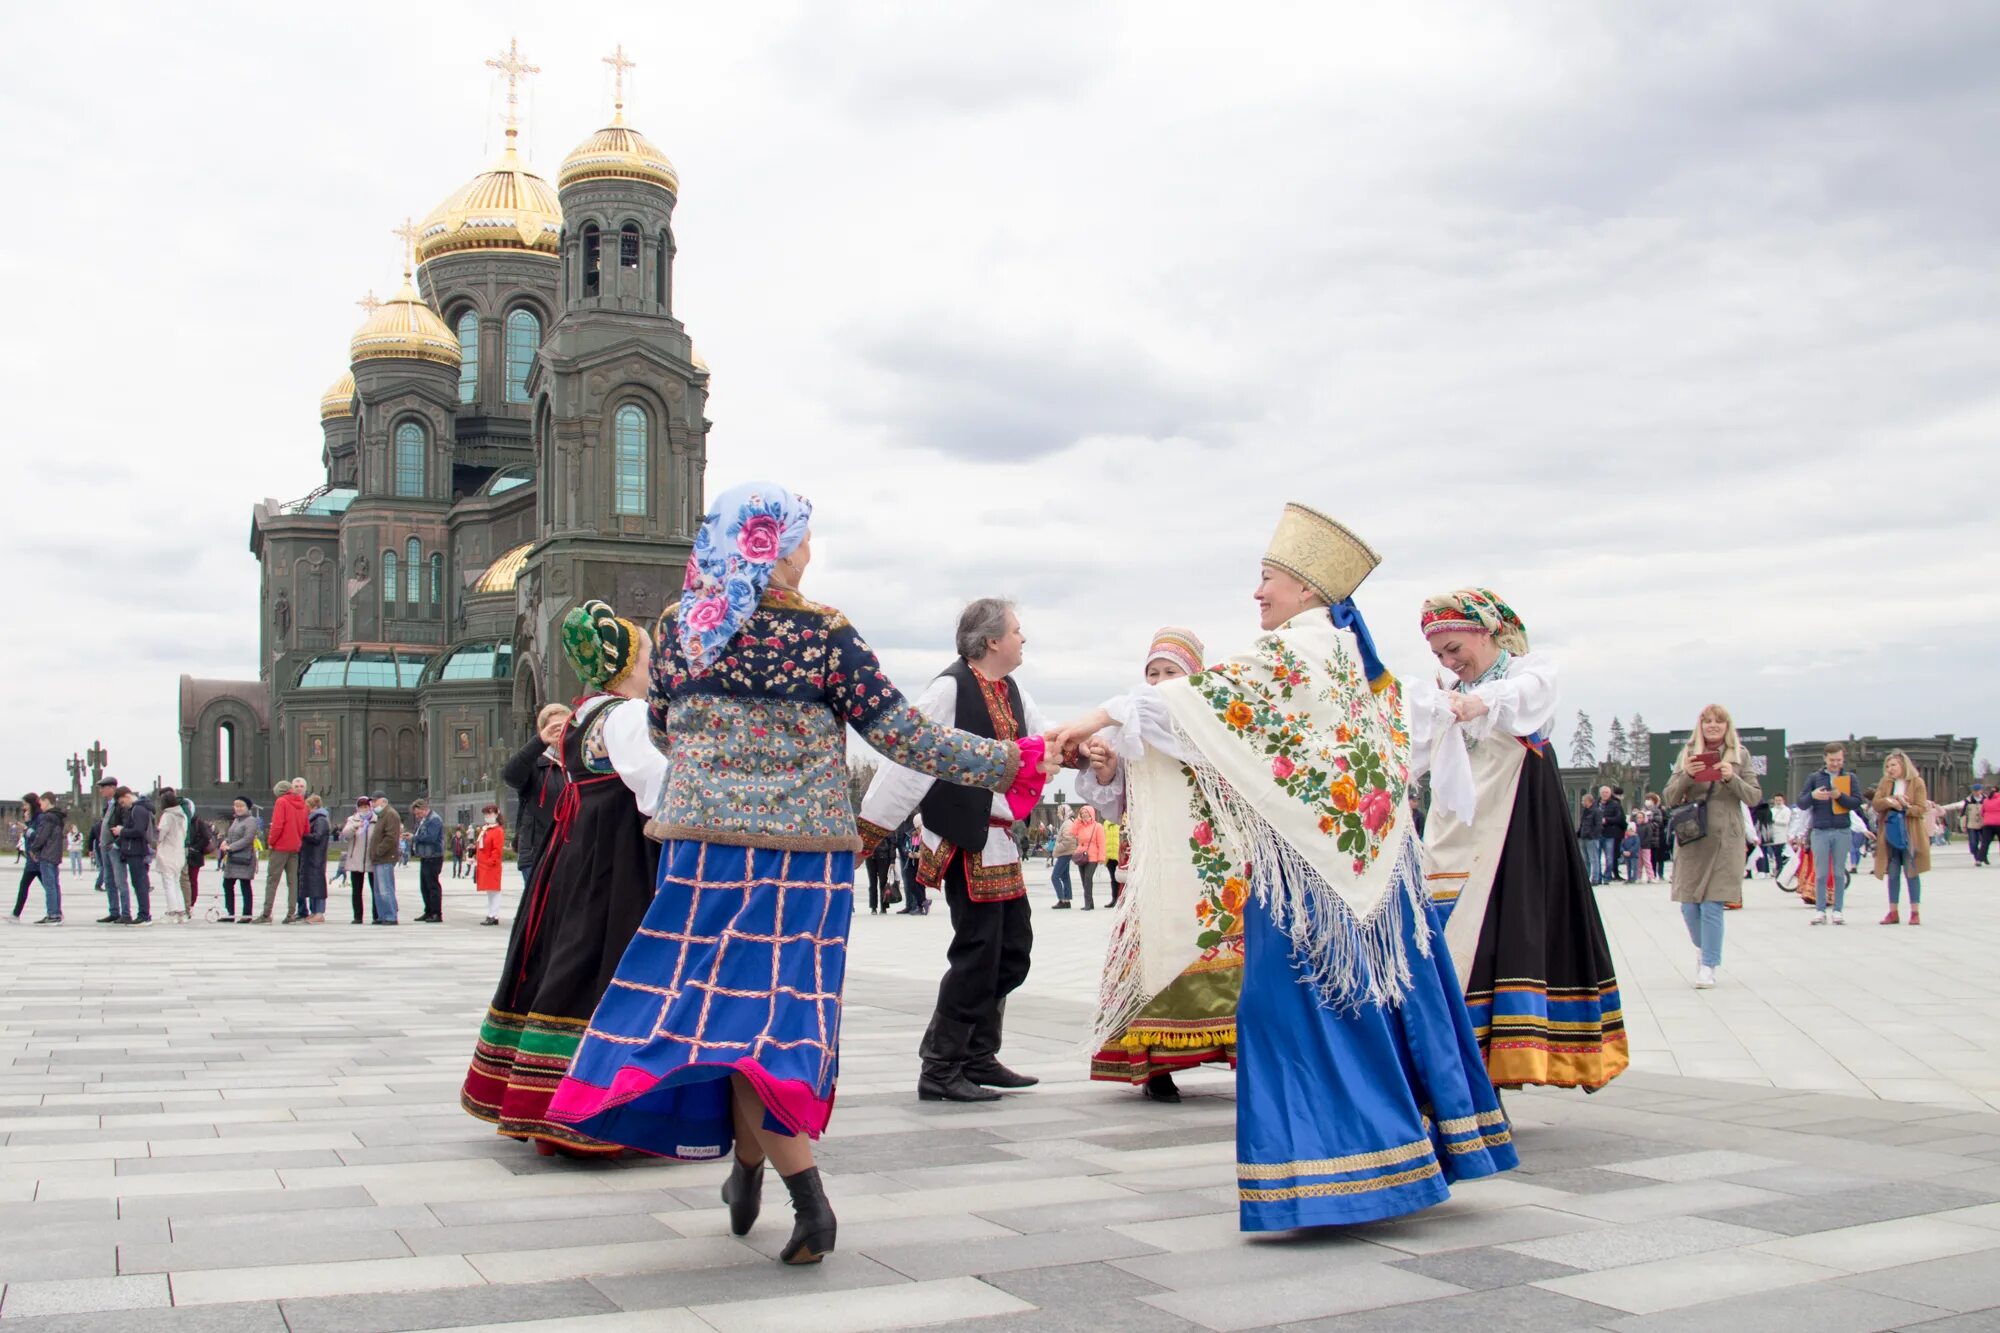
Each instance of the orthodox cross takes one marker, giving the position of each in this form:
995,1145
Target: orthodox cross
75,766
408,233
619,64
369,303
98,759
510,65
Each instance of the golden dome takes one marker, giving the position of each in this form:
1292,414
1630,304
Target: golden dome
505,207
504,573
404,328
619,152
338,400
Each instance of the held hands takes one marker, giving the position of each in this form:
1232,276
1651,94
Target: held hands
1103,762
1068,738
1466,707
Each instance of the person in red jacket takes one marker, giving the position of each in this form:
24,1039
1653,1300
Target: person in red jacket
283,839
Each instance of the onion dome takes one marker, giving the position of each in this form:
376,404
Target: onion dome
505,207
338,400
404,328
619,153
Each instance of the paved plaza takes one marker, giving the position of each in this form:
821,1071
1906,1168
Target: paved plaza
256,1129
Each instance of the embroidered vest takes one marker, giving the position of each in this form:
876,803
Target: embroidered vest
961,815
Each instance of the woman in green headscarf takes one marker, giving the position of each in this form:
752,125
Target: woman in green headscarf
590,892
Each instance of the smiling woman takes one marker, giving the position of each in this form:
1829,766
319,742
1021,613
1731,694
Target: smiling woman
1501,856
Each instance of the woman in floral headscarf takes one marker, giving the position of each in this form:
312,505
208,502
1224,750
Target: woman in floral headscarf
592,884
1501,857
722,1026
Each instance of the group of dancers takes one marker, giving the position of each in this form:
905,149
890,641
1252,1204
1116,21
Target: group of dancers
674,981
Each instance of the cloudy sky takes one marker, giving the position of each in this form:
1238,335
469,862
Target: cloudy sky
1675,324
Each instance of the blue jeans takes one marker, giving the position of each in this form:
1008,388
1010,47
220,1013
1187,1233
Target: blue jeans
116,891
1830,847
52,888
1704,923
1059,876
1899,869
76,862
1607,856
382,889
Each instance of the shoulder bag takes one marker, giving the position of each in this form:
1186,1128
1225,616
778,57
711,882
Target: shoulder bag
1689,823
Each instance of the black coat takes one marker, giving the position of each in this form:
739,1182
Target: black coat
539,781
135,826
312,854
1611,818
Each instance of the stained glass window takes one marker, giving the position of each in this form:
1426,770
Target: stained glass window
413,563
389,577
524,339
628,490
468,357
409,459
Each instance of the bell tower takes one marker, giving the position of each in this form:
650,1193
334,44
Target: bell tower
620,426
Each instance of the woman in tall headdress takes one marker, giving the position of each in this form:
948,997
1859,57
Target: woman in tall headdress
1192,1021
722,1026
1266,796
1502,858
590,891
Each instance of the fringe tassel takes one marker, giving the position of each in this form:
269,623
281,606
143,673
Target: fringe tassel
1350,961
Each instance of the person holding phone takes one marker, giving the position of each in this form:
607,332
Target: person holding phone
1833,797
1902,794
1713,769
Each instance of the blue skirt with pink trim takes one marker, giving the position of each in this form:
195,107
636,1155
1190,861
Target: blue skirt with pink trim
738,969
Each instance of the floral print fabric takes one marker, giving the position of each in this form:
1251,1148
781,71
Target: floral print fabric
758,740
741,540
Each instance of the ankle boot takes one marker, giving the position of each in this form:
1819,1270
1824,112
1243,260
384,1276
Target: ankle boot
1161,1088
744,1193
1894,917
813,1231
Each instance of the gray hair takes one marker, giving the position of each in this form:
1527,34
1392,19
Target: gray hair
981,623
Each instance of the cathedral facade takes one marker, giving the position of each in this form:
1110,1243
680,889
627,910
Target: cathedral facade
520,428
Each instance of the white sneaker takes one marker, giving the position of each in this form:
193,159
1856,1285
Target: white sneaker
1818,919
1704,978
1839,919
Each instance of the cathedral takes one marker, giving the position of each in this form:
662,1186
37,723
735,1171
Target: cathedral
519,428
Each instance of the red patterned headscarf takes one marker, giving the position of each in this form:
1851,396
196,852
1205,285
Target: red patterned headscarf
1475,611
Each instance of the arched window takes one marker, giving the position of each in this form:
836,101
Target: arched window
389,578
437,577
225,752
628,486
406,753
590,259
660,273
468,357
413,565
524,339
409,459
628,246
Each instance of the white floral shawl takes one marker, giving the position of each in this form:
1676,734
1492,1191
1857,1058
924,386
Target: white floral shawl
1293,789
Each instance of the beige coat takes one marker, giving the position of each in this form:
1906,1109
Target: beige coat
1710,870
1916,817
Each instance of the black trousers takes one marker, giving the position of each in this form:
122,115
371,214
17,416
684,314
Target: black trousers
430,883
988,957
878,885
358,881
914,896
1088,870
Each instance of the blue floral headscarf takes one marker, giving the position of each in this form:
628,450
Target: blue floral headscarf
746,532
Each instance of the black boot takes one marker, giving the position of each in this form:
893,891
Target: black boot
1161,1088
744,1193
982,1054
813,1231
943,1053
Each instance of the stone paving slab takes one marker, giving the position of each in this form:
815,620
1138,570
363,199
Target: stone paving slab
277,1147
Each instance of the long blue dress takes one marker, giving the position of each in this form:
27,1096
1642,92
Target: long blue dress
1347,1116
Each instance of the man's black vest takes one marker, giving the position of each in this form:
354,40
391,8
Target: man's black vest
959,814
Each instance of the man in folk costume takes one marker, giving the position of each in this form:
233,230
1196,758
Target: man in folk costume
1266,795
1501,855
970,855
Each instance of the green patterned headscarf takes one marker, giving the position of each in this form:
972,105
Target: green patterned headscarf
599,644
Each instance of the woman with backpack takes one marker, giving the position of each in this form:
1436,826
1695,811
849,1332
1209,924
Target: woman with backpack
1903,847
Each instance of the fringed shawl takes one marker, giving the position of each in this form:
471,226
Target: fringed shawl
1292,795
